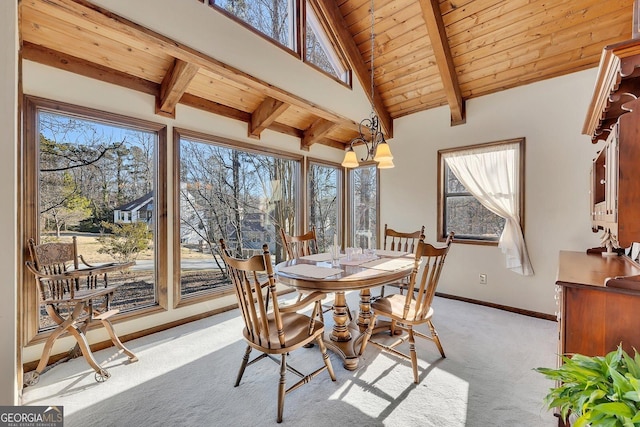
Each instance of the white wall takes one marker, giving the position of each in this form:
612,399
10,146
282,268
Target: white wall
8,215
549,115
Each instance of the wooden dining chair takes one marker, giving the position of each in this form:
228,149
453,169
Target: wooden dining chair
299,246
75,294
270,328
400,242
414,308
304,245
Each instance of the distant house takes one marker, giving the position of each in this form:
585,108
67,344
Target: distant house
139,210
256,231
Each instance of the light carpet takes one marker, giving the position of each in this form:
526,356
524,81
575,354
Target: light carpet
185,377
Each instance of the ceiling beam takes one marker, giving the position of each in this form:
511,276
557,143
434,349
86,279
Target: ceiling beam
315,133
72,64
331,16
88,69
266,113
444,60
95,71
173,86
106,23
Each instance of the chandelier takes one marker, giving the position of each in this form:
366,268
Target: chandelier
369,131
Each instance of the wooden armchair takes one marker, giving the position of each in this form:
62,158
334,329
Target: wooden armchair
277,331
414,308
74,294
400,242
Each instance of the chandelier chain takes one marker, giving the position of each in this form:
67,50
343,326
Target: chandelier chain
373,37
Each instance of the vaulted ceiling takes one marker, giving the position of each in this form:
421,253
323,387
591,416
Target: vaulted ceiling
428,53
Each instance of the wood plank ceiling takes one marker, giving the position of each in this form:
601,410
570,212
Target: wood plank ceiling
428,53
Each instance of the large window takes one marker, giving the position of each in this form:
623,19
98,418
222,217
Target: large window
494,173
324,183
94,176
229,191
299,30
363,206
319,50
273,18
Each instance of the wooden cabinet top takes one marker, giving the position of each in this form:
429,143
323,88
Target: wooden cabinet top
580,268
616,84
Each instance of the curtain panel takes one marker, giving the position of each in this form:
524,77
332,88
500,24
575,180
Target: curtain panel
491,174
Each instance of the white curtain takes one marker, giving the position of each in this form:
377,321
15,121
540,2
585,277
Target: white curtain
492,175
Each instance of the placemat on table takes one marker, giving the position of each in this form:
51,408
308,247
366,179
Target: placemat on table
389,264
325,256
391,254
310,270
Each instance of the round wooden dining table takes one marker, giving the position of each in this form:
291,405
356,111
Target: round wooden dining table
316,273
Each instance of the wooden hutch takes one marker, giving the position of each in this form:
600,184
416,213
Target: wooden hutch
600,295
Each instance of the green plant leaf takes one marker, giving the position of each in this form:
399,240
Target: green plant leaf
614,408
633,395
620,383
632,367
582,421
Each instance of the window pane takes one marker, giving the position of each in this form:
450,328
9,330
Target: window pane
324,212
319,50
96,182
364,214
243,198
273,18
468,218
453,185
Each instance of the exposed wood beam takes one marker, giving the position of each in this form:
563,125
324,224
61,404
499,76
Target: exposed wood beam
315,133
88,69
232,113
75,65
107,23
214,108
266,113
174,85
444,60
337,27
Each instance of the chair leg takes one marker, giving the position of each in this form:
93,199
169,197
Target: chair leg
243,365
367,334
392,328
88,355
325,357
281,387
414,355
46,352
436,339
116,341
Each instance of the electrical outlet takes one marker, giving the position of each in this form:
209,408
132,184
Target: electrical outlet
483,279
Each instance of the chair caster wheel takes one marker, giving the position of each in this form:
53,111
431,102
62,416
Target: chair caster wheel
31,378
102,376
